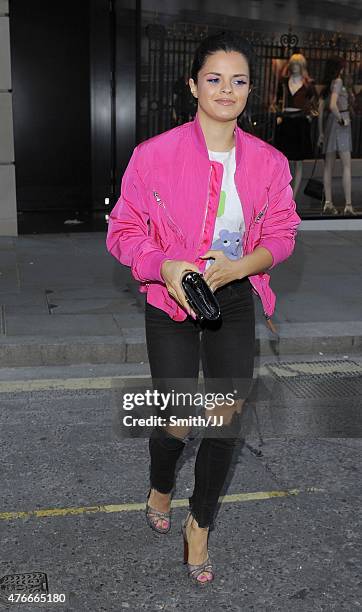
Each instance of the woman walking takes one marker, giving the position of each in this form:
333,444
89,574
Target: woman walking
208,197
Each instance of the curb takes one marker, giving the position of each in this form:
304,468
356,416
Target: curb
130,346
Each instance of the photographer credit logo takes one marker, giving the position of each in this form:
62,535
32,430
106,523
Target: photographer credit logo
172,402
176,398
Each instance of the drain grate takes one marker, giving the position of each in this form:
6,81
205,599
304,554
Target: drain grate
319,379
35,583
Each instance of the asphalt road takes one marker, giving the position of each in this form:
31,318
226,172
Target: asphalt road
288,530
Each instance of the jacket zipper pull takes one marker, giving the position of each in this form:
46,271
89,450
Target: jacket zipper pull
271,325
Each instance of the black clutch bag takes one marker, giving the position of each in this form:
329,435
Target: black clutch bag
200,297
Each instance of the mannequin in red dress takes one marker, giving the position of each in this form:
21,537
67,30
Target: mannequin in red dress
297,99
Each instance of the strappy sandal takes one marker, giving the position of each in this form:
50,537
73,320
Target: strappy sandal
349,211
153,516
329,208
194,571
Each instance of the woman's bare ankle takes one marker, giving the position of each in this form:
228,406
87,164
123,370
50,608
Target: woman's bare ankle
162,499
155,492
194,526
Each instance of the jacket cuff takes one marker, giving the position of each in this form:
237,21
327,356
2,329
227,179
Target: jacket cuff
151,266
277,250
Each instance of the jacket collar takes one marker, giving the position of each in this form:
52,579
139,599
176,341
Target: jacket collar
200,142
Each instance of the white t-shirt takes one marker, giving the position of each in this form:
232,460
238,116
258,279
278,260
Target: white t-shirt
229,224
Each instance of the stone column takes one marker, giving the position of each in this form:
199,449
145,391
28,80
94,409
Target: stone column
8,216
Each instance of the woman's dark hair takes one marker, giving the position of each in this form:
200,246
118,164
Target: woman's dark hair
332,69
222,41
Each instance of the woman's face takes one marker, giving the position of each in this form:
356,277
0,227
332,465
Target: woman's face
223,85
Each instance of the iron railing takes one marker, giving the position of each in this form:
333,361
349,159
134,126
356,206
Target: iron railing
165,100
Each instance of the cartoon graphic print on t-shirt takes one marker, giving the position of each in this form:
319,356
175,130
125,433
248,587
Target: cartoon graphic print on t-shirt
229,242
229,222
221,208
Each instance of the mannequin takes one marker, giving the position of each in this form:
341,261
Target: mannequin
335,133
297,98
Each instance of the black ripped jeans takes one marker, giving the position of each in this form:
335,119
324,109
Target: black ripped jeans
227,350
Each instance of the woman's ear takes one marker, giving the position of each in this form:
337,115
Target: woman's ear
193,87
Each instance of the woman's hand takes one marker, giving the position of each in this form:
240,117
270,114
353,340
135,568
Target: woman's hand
320,140
222,271
172,271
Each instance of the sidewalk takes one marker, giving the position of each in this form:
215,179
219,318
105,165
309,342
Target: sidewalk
65,301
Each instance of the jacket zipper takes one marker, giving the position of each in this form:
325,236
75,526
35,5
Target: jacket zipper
174,225
268,317
261,212
257,218
206,206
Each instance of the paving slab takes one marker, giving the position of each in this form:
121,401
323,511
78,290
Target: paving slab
19,310
135,339
18,298
9,280
73,371
61,350
130,320
6,242
61,325
95,290
92,305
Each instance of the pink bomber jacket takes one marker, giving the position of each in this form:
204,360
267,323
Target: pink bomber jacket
168,204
